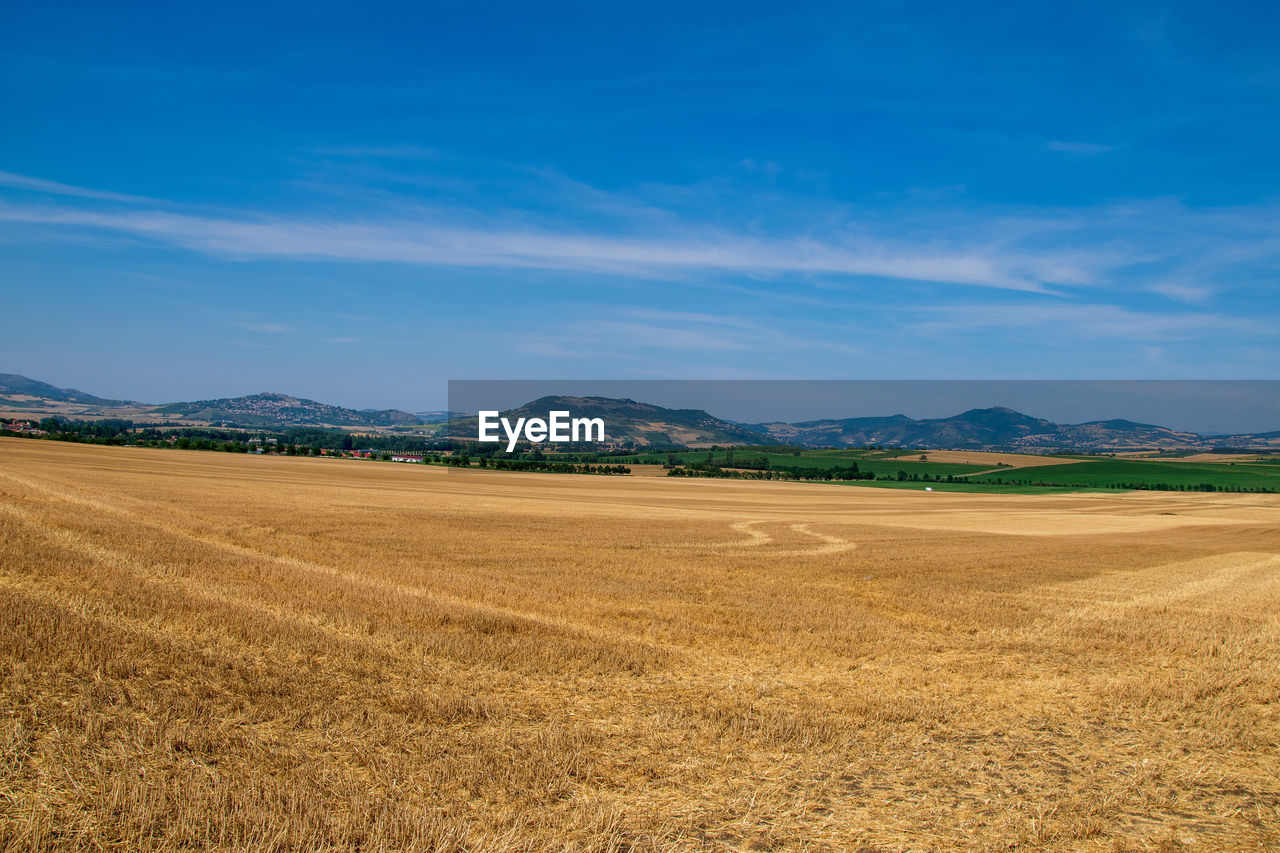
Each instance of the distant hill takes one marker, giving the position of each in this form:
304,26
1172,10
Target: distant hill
996,428
437,417
627,421
14,385
266,410
644,424
25,397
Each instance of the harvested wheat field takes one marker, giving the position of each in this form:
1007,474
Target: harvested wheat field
214,651
977,457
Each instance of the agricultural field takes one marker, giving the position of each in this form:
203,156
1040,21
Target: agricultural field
987,459
1121,473
232,652
975,471
880,463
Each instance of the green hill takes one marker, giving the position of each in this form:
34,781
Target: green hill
13,384
282,410
1146,474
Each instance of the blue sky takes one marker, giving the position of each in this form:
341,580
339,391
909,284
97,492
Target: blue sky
356,204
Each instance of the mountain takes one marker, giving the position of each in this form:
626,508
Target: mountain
972,429
275,410
24,397
13,385
834,433
996,428
436,417
1120,432
627,421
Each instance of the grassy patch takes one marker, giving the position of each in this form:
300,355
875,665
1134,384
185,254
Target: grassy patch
978,488
819,459
1135,473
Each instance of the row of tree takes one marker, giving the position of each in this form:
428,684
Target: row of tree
850,472
324,443
552,466
1155,487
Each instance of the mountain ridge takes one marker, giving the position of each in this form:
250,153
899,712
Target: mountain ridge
995,427
17,385
646,424
270,408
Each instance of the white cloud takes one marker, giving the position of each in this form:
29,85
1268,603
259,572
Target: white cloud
549,347
1135,247
268,328
1078,147
1059,320
380,152
24,182
621,329
1183,292
423,242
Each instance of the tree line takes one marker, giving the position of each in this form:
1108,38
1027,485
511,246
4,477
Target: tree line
290,442
702,469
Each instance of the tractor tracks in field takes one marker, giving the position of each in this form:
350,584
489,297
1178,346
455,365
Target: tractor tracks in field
822,543
86,545
145,519
1237,581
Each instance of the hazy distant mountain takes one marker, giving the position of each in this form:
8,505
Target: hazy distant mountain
993,428
1120,431
998,428
628,421
14,385
27,397
282,410
437,417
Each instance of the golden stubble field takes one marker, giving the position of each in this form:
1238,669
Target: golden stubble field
213,651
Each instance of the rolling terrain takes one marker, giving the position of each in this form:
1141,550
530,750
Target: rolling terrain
1002,429
23,397
218,651
641,424
15,389
281,410
979,471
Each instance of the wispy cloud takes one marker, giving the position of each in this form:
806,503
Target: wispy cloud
547,346
1059,320
40,185
630,330
267,328
380,152
410,241
1158,246
1078,147
1191,293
